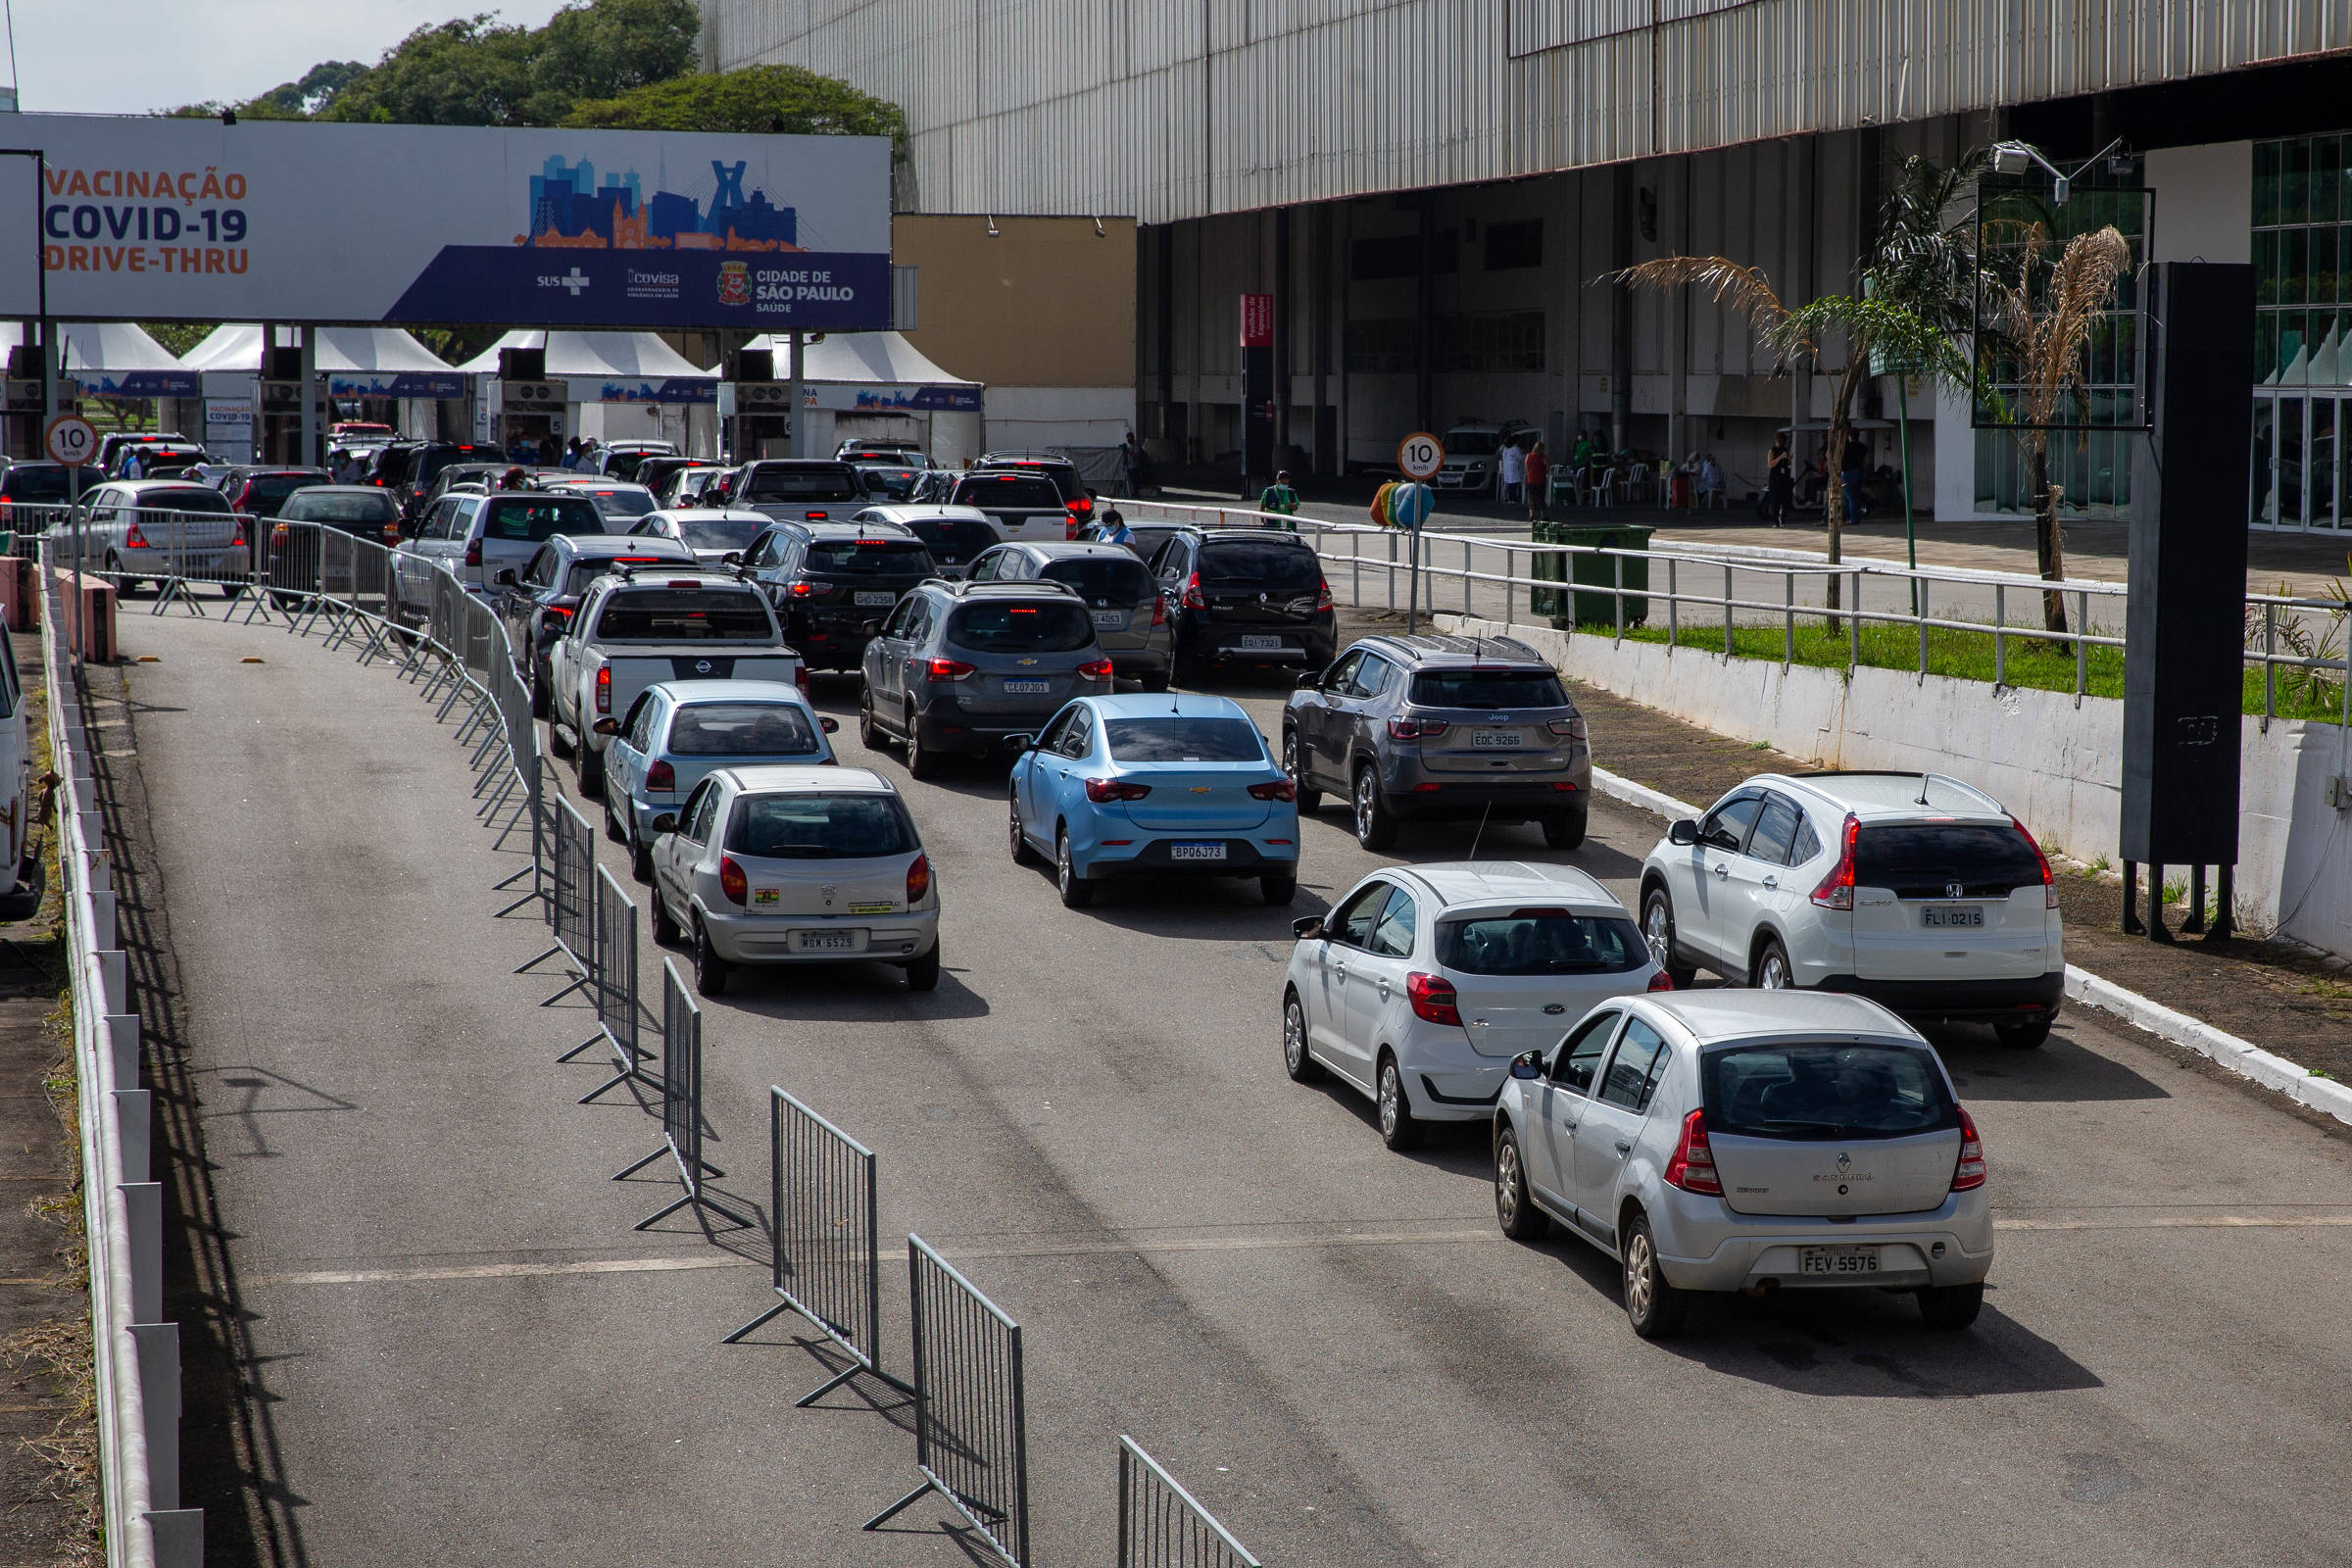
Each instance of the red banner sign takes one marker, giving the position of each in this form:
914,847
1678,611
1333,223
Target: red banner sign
1257,321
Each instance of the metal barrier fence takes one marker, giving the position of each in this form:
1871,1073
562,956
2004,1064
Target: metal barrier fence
827,1258
1712,594
682,1121
571,899
134,1353
972,1431
1162,1526
615,989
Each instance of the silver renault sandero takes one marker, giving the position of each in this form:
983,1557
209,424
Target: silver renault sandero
1750,1141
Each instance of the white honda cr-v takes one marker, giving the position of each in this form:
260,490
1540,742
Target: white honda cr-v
1915,890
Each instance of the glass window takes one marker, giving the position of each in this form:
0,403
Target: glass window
1488,690
1923,860
1265,567
1633,1071
1015,491
953,541
996,628
716,533
1341,676
1581,1052
695,823
1808,842
684,616
345,506
869,557
1541,942
538,518
1079,741
1174,739
1819,1091
742,729
1392,934
821,827
1774,834
640,723
803,482
2266,183
2294,203
1374,676
1055,729
1103,580
1726,827
1352,922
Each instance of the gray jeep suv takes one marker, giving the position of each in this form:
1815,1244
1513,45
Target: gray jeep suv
1131,619
977,667
1434,727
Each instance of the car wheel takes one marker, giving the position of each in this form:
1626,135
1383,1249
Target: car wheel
2023,1036
1375,828
1297,1059
1309,801
868,735
1772,971
588,768
1655,1308
641,854
1952,1307
613,823
920,762
666,929
1657,930
557,742
1278,889
1516,1212
1565,830
710,969
1077,892
1398,1128
539,703
922,974
1016,832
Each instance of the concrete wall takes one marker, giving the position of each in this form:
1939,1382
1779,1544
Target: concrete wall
2054,763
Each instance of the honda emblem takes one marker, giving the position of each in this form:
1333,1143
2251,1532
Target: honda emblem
1953,890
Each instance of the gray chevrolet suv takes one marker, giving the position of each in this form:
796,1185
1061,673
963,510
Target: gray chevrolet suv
1447,728
1131,621
977,667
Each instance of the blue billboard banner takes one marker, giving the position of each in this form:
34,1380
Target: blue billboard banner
631,389
148,217
394,384
139,384
857,397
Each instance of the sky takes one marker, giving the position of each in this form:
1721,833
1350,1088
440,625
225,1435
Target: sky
129,55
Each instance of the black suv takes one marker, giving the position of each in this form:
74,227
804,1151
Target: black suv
430,459
834,583
1245,596
1054,465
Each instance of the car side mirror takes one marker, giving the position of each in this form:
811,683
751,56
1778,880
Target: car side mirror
506,578
1528,1064
1683,831
733,558
666,822
606,727
1310,681
831,726
1307,928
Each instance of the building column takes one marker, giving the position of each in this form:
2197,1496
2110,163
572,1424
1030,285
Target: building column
792,400
314,428
1621,307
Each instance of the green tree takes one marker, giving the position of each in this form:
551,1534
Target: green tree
607,48
470,72
759,99
178,337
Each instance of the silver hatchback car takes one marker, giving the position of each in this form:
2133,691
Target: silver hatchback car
1750,1141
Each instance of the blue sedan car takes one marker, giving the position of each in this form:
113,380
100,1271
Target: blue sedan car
1158,783
677,731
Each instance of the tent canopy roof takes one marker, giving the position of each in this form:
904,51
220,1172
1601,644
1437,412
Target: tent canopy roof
595,354
118,347
237,346
880,359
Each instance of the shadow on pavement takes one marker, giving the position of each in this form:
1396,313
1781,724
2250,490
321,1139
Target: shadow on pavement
2059,1071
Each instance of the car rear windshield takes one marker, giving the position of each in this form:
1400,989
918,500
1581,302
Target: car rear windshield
373,506
187,498
271,488
821,827
953,541
828,481
1488,690
435,458
742,729
1922,860
1541,942
1056,628
587,569
35,482
870,558
684,616
1264,565
623,503
721,533
1175,739
1121,582
625,464
1824,1089
1060,475
1019,491
517,518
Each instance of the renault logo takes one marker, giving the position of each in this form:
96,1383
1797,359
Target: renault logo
1952,890
1845,1162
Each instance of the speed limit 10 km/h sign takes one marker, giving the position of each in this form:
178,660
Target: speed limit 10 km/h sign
1420,456
70,439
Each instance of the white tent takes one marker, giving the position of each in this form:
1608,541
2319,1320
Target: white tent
114,360
358,362
615,358
877,373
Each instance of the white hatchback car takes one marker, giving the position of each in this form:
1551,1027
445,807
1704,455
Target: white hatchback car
1735,1141
1915,890
1425,981
795,864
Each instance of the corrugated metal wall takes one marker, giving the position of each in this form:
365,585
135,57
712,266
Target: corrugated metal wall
1176,108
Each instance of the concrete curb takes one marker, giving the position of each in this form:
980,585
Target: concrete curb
2237,1056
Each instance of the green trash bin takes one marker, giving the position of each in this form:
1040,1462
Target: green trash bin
1544,604
1591,609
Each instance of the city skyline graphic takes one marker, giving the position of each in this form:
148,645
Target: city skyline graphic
571,209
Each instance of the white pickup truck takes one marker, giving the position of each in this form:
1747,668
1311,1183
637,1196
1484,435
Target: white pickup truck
662,624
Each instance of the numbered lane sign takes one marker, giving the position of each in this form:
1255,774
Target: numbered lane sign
1420,456
70,440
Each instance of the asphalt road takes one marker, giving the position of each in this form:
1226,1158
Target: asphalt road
469,1357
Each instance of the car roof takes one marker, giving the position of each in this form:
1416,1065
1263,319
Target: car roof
345,490
1442,651
1879,795
1070,549
796,463
1026,588
1210,535
605,546
702,578
686,693
738,513
141,486
817,777
1465,883
846,529
929,510
1167,705
1717,1016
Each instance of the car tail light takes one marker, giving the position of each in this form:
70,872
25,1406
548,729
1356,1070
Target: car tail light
1322,594
918,879
473,554
135,540
1416,730
1432,1000
731,880
1194,598
1693,1167
1069,526
239,537
1095,669
659,776
280,534
801,590
2050,885
950,669
1159,611
1571,728
800,678
1970,1172
603,689
1102,790
554,616
1836,890
813,516
1661,981
1281,789
1084,506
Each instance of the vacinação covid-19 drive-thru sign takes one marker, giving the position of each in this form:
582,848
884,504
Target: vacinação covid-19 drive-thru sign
152,219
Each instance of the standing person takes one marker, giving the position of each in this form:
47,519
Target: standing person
1780,481
571,455
1853,463
549,452
1510,473
1580,457
1279,497
1131,462
1539,484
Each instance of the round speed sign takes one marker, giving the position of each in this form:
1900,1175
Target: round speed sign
70,439
1420,455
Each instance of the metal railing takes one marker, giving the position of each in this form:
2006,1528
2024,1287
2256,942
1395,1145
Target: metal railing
827,1259
1162,1526
570,900
134,1353
1722,598
682,1123
971,1423
614,970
